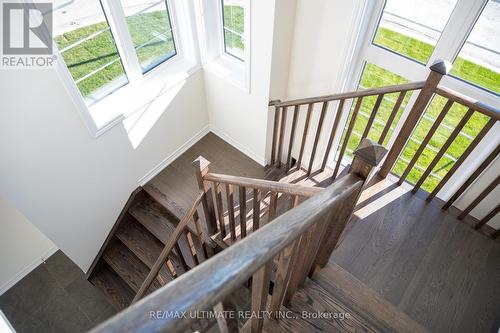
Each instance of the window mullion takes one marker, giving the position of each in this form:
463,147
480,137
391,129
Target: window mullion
118,24
457,29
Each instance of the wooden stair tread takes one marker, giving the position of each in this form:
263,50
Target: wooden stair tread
362,300
176,210
146,247
283,325
140,241
126,264
154,217
312,298
114,288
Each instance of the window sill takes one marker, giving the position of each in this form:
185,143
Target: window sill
231,70
116,107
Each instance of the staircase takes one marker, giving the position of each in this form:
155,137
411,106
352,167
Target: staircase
138,237
262,246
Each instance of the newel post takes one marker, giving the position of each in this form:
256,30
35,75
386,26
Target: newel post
438,69
366,157
201,167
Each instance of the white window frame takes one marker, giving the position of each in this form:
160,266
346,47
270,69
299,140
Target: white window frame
115,107
222,37
214,57
453,37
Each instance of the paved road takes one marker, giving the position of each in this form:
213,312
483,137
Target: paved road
72,14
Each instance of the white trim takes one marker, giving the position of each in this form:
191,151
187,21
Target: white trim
172,157
25,271
242,148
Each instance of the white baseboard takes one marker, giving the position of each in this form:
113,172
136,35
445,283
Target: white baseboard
172,157
237,145
25,271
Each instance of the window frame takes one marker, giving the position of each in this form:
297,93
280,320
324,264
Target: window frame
97,117
223,30
454,35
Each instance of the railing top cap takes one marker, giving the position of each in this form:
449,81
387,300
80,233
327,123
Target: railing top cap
441,66
370,151
201,163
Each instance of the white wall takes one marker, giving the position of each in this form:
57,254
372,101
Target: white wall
322,46
23,247
69,185
236,115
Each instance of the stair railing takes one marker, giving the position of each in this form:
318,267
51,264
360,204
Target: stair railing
282,148
298,239
257,202
198,248
285,146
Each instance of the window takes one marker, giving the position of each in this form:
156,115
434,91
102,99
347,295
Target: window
151,31
88,48
107,44
413,28
373,77
233,25
479,59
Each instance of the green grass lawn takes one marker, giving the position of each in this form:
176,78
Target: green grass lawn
374,76
151,36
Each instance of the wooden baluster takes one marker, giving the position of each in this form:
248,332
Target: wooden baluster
426,140
304,135
347,136
438,69
488,217
299,273
192,247
282,135
201,165
462,158
275,134
243,211
316,138
292,137
256,209
220,209
480,197
366,157
472,177
443,149
230,208
200,235
180,255
372,116
333,133
392,116
272,206
260,291
283,275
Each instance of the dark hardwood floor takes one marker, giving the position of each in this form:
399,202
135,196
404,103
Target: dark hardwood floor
436,269
178,181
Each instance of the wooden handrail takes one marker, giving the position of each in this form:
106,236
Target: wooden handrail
264,185
172,241
352,94
476,105
209,283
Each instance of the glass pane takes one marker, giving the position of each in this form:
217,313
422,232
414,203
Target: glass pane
149,25
479,60
412,28
373,77
234,28
86,44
